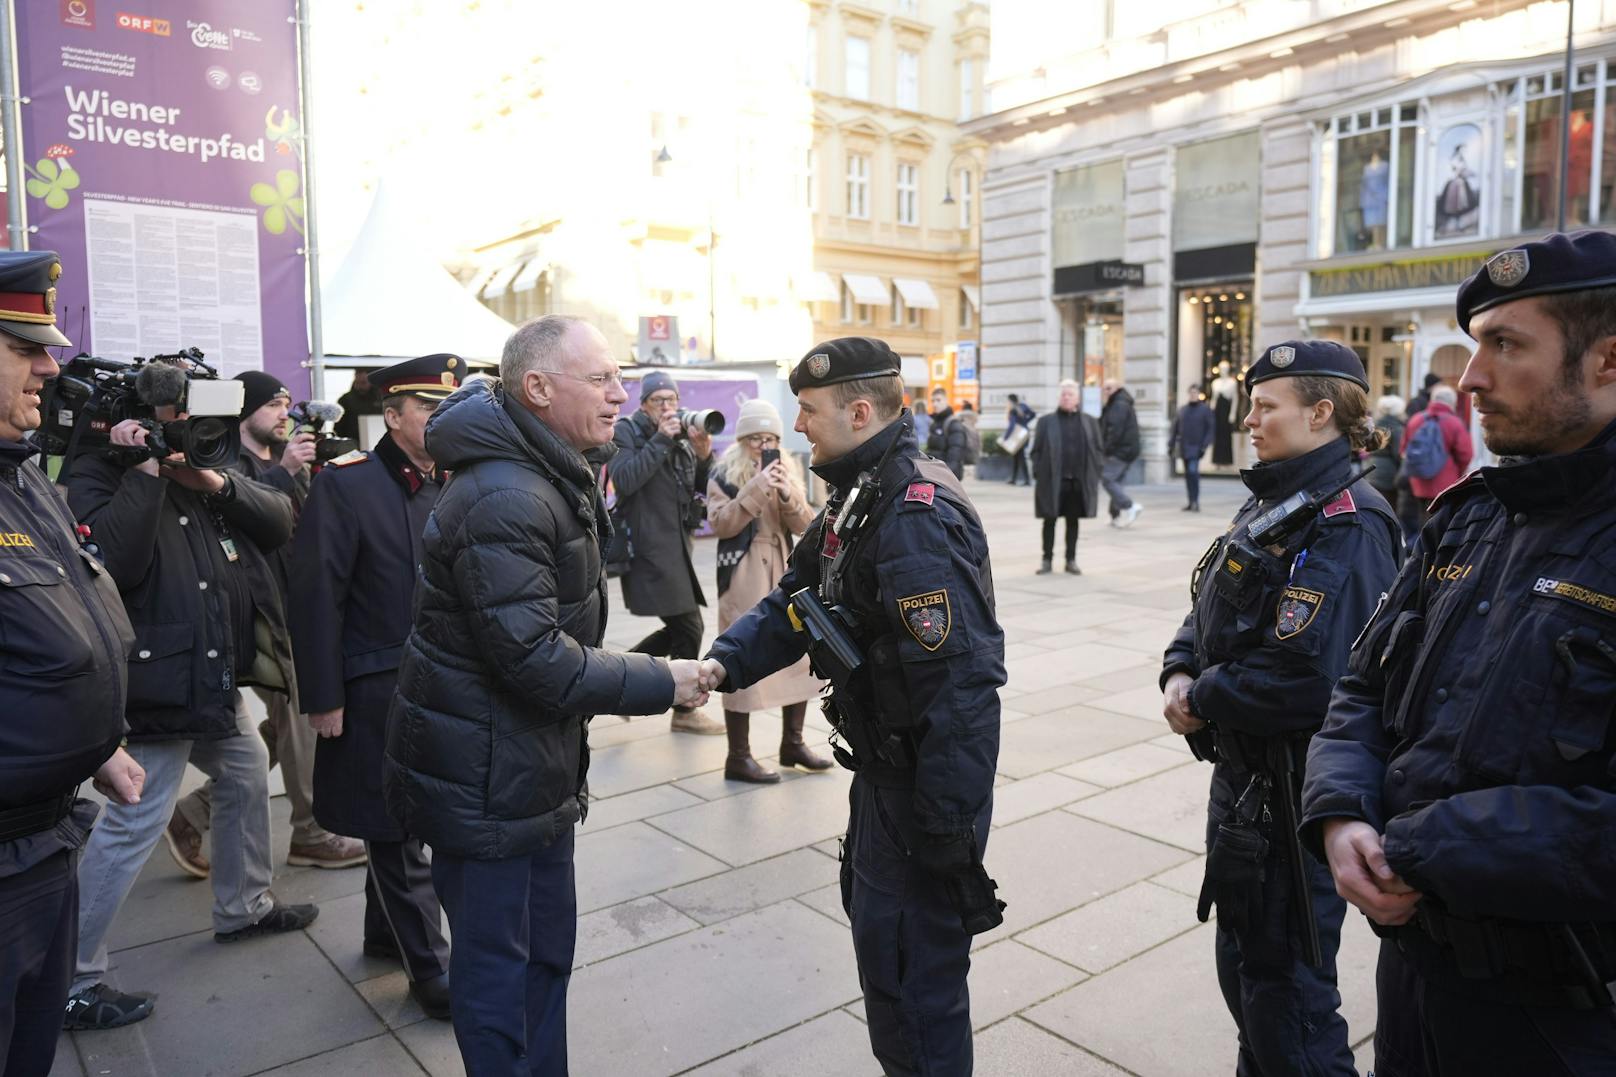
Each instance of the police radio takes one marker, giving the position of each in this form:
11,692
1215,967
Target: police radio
1239,574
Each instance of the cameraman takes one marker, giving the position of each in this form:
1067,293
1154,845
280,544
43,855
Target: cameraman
659,466
63,641
185,547
276,457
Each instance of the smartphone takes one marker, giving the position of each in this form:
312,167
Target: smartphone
769,457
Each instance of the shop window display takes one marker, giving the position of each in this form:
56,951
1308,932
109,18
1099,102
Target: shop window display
1375,158
1215,342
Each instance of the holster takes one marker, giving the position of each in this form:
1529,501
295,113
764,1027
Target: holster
1236,869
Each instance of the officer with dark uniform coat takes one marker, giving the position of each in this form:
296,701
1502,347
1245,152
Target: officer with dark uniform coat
1277,601
354,564
64,639
1464,784
899,560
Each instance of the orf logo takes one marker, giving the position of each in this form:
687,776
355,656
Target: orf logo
80,13
143,24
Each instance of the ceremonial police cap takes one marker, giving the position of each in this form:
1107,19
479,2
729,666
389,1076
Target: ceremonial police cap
1309,358
1561,262
28,296
844,359
431,377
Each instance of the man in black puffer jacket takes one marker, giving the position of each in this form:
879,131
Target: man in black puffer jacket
487,748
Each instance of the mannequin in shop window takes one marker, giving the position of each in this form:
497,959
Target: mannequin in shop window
1372,198
1225,398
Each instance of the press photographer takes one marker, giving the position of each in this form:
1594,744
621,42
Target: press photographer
185,545
63,640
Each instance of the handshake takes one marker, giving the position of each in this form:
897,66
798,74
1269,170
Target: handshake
693,680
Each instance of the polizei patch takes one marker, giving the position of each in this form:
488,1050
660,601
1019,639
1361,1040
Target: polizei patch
1297,608
927,618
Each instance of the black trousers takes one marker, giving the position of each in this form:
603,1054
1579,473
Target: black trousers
39,934
1071,509
401,907
679,637
1426,1029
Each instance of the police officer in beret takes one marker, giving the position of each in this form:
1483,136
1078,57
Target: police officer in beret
64,638
354,563
1276,603
1463,787
900,560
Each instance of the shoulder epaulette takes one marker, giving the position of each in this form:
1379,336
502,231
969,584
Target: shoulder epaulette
347,458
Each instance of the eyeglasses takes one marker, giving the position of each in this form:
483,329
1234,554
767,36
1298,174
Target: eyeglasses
599,381
661,399
762,441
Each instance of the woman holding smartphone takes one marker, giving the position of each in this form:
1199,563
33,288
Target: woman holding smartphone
756,504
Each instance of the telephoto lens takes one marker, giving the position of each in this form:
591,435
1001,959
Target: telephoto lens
709,419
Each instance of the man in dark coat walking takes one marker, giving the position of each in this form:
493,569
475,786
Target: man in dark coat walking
354,561
1191,436
487,749
660,466
1119,431
1066,463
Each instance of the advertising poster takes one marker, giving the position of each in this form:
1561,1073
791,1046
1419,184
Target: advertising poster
162,157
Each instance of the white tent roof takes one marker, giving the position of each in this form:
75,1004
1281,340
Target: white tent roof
391,299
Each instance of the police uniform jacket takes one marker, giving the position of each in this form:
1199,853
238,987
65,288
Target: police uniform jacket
486,741
922,577
1265,664
64,638
353,571
164,545
1474,727
656,477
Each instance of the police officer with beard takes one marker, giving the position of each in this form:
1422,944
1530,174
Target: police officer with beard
899,561
1464,784
64,638
1277,601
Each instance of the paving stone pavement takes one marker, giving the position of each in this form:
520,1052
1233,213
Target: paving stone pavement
711,936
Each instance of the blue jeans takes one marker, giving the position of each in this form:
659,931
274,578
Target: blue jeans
1192,479
1111,476
515,924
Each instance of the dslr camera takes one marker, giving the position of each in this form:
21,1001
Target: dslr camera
317,417
92,395
709,419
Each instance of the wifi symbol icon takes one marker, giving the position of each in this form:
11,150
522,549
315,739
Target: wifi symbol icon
218,78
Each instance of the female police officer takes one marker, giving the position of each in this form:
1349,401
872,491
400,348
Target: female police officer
1278,600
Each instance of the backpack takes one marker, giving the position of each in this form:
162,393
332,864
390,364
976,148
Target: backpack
1427,452
973,440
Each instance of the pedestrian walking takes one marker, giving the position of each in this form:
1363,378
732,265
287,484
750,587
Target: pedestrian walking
1119,432
1188,441
1277,601
962,440
936,443
757,509
1067,459
1436,448
900,572
1019,416
1461,787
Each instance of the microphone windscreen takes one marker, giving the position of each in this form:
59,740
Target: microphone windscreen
159,383
323,411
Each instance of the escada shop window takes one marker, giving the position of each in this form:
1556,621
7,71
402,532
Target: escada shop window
1368,162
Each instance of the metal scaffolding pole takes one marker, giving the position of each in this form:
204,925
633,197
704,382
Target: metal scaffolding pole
10,130
311,243
1565,115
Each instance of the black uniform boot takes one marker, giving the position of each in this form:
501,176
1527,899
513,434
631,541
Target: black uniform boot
793,752
739,766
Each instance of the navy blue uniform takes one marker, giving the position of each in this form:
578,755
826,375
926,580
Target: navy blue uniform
920,579
353,570
1474,732
1264,659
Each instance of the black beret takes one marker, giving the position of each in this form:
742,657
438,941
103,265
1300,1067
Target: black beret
1561,262
1313,358
28,296
844,359
431,377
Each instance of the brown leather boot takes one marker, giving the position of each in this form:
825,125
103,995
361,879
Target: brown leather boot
739,766
793,752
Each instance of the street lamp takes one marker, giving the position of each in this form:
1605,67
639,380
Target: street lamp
948,187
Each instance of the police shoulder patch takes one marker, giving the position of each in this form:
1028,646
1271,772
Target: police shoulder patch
347,458
923,492
1339,505
927,617
1297,608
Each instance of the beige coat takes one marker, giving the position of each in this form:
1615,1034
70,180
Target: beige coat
765,562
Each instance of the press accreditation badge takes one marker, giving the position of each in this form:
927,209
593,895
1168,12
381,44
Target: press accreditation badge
228,545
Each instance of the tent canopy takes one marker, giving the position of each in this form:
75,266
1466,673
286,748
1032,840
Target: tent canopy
391,300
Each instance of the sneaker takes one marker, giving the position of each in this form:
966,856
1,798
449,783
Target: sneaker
332,851
695,721
280,918
100,1006
185,845
1130,514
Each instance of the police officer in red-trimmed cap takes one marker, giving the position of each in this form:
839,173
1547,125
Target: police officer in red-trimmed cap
64,638
353,575
1463,787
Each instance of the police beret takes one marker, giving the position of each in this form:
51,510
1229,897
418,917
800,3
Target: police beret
1311,358
844,359
431,377
28,296
1560,262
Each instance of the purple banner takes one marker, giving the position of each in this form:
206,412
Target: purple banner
163,155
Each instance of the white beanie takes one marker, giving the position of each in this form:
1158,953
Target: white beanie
758,417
